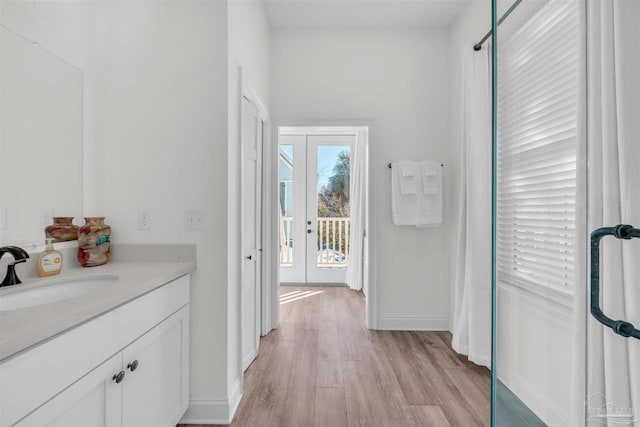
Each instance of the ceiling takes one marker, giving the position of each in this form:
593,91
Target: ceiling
362,14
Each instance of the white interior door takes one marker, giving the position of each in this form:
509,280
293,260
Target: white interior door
251,229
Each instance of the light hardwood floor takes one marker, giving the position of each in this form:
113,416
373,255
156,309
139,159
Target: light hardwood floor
324,368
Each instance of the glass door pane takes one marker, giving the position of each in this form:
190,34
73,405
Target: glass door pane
328,180
291,199
285,165
333,169
538,216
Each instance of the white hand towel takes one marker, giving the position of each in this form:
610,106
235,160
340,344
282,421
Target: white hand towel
404,207
430,177
430,198
407,176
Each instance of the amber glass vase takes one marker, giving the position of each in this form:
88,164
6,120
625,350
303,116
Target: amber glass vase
62,229
94,240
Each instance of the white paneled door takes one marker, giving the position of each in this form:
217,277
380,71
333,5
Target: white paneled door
251,194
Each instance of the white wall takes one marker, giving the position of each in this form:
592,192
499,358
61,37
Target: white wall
534,338
248,31
162,145
397,82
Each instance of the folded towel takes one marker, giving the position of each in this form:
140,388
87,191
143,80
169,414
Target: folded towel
404,207
430,177
407,177
430,199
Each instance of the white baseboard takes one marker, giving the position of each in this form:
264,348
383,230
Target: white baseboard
213,411
413,323
235,397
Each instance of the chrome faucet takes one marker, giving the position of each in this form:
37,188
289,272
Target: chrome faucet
19,255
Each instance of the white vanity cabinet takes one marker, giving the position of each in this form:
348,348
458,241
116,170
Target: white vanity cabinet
127,367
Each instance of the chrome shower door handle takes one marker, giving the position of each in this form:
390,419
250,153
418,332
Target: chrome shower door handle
624,232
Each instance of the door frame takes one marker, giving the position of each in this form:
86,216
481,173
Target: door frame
327,127
304,178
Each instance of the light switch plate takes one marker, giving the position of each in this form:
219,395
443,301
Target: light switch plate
195,220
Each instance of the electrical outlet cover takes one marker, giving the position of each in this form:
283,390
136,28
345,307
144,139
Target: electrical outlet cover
144,219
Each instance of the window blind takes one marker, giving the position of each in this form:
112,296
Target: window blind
538,96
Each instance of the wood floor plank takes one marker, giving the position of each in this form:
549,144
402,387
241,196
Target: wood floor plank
396,410
429,416
451,398
331,408
265,406
361,408
476,394
329,373
443,355
414,375
301,389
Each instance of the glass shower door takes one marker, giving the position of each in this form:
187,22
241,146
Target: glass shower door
566,148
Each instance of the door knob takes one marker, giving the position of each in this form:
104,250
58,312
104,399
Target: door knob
133,365
249,257
308,222
118,377
309,231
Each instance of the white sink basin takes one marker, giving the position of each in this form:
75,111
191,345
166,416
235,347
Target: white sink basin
53,292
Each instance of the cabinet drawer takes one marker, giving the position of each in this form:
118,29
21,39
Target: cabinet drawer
35,376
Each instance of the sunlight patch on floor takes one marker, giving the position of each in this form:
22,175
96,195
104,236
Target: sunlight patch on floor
289,293
285,299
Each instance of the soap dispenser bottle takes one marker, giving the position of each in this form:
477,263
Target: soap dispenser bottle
49,262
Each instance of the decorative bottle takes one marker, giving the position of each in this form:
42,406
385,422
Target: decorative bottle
62,229
94,242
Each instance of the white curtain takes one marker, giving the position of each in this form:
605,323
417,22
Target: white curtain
357,200
607,382
471,326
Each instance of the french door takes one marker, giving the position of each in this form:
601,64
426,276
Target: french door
315,220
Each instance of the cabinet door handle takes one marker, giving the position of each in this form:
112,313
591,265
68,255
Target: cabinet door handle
118,377
133,365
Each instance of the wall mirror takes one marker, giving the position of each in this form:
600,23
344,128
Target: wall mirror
41,129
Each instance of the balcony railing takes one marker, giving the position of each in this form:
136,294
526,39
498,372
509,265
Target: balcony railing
332,242
286,240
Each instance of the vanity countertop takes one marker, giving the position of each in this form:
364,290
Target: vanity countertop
26,327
